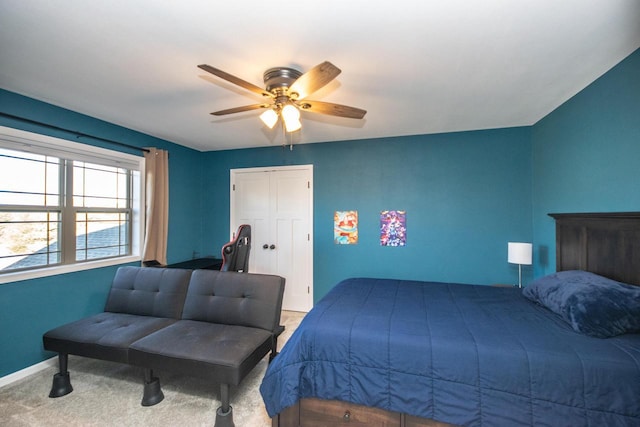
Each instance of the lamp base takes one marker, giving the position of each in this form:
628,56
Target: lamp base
520,275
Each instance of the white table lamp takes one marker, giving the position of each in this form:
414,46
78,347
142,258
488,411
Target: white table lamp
520,253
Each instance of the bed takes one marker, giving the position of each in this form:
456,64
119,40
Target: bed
406,353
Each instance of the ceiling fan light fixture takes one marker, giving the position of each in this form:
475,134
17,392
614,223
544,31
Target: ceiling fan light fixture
269,118
292,125
290,113
291,117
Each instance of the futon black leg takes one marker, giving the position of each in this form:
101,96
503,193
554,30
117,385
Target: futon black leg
274,342
152,393
274,349
61,381
224,414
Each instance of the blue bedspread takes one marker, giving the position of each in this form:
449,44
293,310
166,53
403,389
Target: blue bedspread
462,354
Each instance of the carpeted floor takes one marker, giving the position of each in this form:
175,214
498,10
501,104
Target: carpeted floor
109,394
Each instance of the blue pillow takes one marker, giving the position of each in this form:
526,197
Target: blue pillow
591,304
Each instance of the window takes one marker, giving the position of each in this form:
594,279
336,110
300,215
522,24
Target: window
65,206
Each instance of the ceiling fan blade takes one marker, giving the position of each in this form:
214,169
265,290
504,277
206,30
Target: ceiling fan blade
331,109
240,109
314,79
235,80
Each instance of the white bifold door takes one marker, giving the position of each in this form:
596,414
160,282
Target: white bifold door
277,203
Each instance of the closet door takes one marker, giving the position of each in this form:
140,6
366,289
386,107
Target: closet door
250,194
277,203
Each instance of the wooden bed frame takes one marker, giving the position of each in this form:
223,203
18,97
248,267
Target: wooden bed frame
607,244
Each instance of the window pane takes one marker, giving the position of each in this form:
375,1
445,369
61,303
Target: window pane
102,235
99,189
29,239
99,186
28,179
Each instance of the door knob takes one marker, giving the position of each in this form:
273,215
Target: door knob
272,247
265,246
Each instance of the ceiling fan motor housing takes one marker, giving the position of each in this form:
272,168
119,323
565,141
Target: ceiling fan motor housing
279,79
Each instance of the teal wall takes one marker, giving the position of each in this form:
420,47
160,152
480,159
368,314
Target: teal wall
586,155
466,195
30,308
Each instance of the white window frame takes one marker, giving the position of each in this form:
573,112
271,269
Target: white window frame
15,139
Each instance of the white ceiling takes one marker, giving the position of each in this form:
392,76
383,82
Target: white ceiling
416,66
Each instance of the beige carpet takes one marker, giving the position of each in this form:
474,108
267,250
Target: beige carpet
109,394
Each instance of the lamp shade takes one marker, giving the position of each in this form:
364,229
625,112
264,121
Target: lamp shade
520,253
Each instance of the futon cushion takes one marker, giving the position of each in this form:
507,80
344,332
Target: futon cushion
231,298
222,353
104,336
157,292
591,304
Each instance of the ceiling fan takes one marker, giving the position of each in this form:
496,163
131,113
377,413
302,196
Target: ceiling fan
287,90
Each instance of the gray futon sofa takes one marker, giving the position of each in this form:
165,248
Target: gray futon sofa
206,323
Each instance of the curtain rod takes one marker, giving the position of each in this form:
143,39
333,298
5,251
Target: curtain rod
78,134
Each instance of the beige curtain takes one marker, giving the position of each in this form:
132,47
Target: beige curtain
157,205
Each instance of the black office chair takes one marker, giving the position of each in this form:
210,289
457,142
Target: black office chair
235,254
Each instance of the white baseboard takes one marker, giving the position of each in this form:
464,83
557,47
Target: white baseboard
23,373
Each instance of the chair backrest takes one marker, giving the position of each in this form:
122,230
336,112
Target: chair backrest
235,254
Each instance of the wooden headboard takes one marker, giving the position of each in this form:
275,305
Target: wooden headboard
607,244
